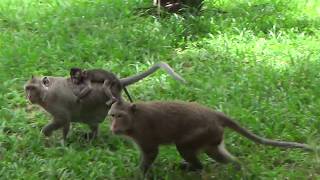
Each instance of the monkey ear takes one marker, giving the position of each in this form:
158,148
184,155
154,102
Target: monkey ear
133,107
45,81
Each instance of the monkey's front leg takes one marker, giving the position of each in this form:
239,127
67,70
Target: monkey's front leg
54,125
85,91
149,154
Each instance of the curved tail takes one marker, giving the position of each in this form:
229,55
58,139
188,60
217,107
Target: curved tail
135,78
236,127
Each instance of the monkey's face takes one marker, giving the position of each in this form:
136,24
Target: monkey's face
35,89
121,123
121,118
76,75
76,78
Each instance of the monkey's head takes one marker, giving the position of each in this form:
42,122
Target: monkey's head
121,114
36,89
77,75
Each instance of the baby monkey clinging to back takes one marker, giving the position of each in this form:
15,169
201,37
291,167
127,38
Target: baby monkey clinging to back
111,84
190,126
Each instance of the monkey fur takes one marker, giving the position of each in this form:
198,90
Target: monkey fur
57,96
191,127
83,79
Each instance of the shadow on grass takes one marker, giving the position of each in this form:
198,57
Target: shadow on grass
264,17
260,18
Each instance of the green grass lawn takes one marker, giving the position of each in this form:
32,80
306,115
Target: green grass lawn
259,63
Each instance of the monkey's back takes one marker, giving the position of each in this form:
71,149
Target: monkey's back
173,122
92,110
100,75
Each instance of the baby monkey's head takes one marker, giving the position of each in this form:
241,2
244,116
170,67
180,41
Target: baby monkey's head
77,75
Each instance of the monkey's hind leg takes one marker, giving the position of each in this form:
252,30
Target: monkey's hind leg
107,86
65,131
221,154
94,132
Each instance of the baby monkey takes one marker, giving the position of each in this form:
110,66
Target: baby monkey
111,84
190,126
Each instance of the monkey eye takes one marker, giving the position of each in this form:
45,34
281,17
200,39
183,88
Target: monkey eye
112,115
119,116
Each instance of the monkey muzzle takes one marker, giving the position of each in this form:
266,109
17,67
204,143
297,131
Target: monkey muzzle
114,128
29,97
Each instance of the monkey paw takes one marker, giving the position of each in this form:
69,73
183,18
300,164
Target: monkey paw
78,100
46,131
144,169
185,166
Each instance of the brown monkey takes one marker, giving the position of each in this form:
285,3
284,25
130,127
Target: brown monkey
190,126
56,96
83,79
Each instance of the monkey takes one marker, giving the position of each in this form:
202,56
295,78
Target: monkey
56,96
191,127
83,79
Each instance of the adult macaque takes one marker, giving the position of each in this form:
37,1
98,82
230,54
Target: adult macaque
190,126
56,96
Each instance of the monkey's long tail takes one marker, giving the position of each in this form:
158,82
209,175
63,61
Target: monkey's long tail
235,126
135,78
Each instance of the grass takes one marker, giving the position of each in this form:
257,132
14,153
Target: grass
258,62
